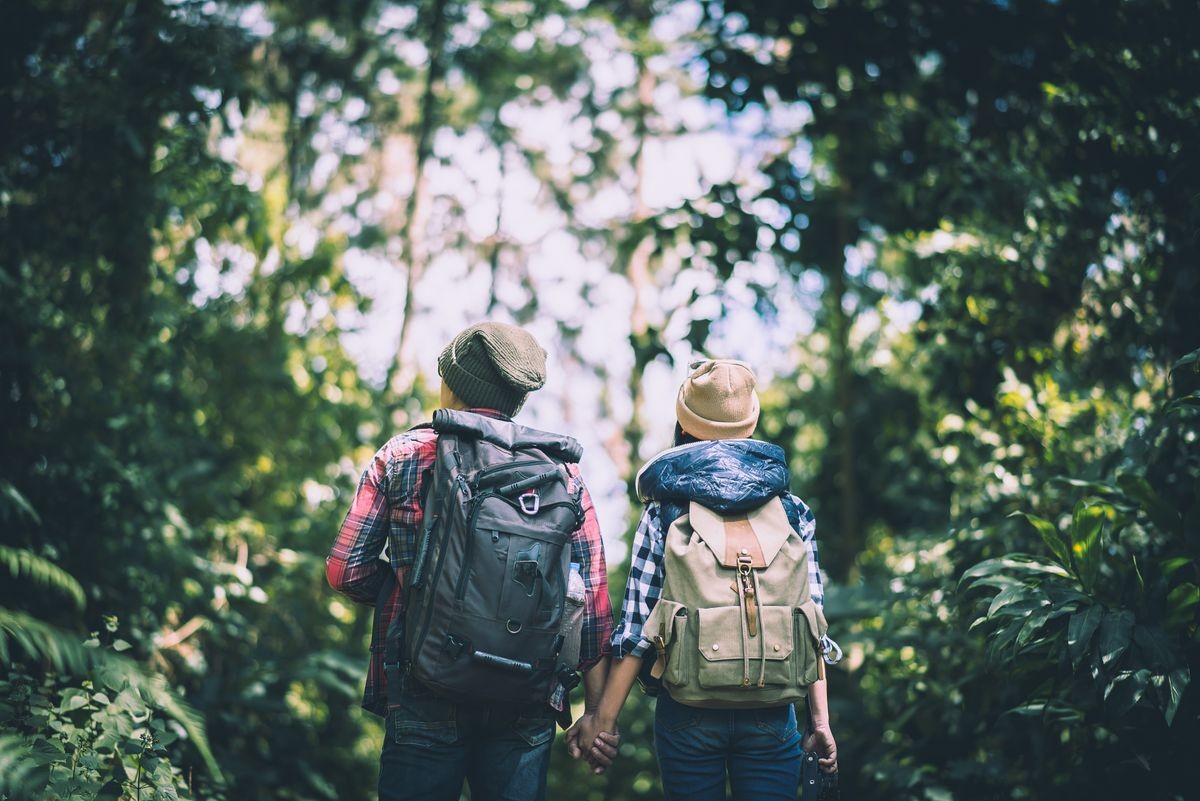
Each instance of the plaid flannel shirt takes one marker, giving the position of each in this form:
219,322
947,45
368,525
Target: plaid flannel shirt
386,510
644,587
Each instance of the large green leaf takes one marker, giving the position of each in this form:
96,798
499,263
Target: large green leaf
1082,626
1114,635
1050,535
1013,563
1191,359
1177,682
1126,690
1150,502
17,502
1182,603
24,565
1156,648
1087,540
1023,594
1191,401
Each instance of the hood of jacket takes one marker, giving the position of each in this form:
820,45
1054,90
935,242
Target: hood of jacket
728,476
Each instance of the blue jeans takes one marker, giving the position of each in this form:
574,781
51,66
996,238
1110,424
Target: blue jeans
757,750
431,745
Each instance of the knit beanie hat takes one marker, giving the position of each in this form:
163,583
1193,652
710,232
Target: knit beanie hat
493,366
718,401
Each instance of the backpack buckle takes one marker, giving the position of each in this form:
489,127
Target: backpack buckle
530,502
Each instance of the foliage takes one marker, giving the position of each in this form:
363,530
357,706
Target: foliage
975,222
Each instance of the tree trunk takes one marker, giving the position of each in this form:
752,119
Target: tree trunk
412,233
637,269
851,537
496,244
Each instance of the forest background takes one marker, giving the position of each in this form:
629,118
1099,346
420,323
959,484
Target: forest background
960,242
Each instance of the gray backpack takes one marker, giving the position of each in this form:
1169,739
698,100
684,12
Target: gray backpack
485,603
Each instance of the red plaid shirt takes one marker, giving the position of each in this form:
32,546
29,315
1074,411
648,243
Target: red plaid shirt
387,511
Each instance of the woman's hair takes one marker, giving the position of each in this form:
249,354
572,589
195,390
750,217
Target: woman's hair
682,437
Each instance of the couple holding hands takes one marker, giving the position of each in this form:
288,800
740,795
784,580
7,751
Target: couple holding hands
477,543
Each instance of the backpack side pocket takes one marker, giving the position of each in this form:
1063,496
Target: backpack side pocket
666,630
810,628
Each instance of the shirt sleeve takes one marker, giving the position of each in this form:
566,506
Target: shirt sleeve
354,567
808,533
587,549
644,586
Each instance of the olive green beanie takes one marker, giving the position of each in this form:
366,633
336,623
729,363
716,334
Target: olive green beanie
493,366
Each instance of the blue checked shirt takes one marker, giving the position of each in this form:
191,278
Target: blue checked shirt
644,587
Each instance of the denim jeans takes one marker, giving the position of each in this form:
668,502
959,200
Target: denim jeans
432,744
756,750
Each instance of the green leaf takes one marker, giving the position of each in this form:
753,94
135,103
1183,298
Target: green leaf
1192,359
1126,690
1181,604
1050,536
1191,401
1080,629
1114,634
18,502
1019,593
1156,648
1087,527
1033,624
25,565
1150,502
72,700
1013,563
1173,565
1049,711
1177,682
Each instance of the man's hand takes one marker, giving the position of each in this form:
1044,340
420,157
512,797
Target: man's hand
821,740
586,739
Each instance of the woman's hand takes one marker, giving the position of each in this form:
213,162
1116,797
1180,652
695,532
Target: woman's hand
821,740
589,739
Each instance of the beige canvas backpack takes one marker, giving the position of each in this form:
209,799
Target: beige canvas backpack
735,625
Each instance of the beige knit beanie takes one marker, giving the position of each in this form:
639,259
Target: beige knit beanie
718,401
493,366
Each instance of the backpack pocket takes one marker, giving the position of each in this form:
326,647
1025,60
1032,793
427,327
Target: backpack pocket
810,627
666,629
732,658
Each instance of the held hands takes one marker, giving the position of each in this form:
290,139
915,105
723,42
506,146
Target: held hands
587,739
820,739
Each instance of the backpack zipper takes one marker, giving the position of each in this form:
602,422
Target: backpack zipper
498,467
460,591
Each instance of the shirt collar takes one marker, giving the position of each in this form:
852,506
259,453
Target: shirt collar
488,413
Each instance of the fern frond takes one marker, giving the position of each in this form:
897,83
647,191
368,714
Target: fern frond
67,655
17,503
16,767
24,564
39,639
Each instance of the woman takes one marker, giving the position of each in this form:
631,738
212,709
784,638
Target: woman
714,466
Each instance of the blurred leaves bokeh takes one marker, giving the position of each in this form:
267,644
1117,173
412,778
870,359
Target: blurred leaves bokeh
987,212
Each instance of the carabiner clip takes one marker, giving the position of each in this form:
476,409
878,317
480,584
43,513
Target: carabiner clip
530,502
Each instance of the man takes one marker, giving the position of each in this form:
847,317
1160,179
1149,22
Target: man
433,743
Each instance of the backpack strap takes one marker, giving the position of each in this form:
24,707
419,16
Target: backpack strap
393,656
